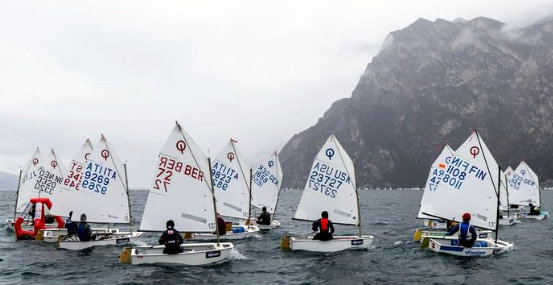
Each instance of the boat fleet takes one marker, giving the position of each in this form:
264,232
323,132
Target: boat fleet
192,189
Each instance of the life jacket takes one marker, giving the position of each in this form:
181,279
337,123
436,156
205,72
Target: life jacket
463,230
324,225
171,237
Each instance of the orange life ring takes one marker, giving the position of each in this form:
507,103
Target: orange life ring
39,221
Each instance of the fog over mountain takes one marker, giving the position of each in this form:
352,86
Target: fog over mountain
431,84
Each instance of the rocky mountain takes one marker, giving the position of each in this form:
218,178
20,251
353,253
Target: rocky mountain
431,84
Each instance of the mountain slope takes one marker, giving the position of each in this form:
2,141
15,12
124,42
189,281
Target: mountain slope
432,83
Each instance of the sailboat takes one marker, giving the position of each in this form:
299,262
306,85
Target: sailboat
330,187
525,189
37,189
266,182
468,182
103,196
25,186
231,185
182,191
506,218
68,194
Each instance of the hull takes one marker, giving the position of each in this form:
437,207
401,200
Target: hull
193,254
421,234
508,221
73,242
274,224
53,235
489,247
239,232
339,243
435,224
541,216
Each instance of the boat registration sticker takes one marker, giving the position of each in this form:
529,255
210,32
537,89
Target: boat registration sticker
357,242
122,240
212,254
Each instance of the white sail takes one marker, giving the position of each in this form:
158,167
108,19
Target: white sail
67,196
434,178
330,187
28,185
466,186
524,186
181,189
231,177
102,193
266,181
504,193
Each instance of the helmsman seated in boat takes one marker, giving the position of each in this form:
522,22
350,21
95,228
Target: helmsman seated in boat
264,218
534,210
171,238
221,225
84,231
70,225
325,226
464,229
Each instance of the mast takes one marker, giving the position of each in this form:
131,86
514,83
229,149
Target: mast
278,193
496,190
358,211
128,194
214,202
507,191
17,195
498,195
243,175
250,200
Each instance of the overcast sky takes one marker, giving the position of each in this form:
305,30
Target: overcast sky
255,71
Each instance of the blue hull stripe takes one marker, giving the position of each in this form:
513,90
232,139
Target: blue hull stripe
451,248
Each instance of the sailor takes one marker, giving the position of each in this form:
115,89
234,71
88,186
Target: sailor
83,230
171,238
70,225
221,225
325,226
264,218
534,210
464,228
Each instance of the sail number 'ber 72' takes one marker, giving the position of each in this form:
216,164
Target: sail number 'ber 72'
326,179
167,166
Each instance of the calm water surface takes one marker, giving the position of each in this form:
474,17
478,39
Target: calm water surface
394,259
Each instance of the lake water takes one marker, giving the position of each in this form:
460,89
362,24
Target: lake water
394,258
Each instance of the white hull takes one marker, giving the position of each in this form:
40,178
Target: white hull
339,243
508,221
247,231
541,216
420,234
274,224
193,254
73,242
491,248
435,224
53,235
